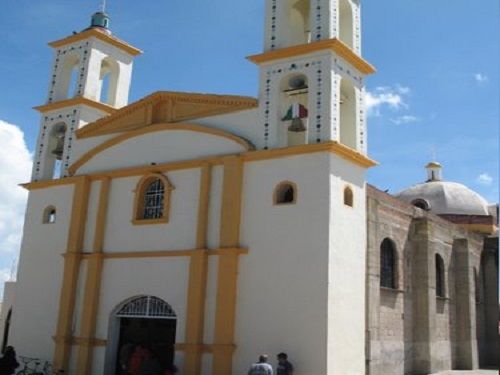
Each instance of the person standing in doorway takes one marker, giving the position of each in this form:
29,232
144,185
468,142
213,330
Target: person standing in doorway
261,367
284,367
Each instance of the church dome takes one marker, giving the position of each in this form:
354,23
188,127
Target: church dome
444,197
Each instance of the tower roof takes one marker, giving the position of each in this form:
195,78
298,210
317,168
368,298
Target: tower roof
99,29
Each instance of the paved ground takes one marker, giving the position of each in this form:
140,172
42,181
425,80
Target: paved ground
477,372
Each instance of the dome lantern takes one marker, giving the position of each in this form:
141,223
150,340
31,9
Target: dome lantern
100,19
434,172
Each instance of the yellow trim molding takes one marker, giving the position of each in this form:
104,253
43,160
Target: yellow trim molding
94,32
250,156
335,45
227,277
71,272
79,100
93,284
153,129
139,200
162,253
166,107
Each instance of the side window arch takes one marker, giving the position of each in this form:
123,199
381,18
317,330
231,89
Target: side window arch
440,277
49,215
152,199
285,193
348,196
388,264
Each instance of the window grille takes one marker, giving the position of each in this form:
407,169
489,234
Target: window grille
154,197
388,265
147,307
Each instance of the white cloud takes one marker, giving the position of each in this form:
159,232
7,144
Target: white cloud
481,78
5,275
484,179
406,119
15,168
386,96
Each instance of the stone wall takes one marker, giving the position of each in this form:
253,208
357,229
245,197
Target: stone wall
410,330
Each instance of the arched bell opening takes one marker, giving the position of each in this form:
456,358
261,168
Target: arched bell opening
348,120
55,151
295,108
108,82
141,327
299,22
346,22
67,86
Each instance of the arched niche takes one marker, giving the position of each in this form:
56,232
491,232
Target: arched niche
348,115
294,104
285,193
49,215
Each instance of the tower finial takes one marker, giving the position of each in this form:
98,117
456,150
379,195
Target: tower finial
103,6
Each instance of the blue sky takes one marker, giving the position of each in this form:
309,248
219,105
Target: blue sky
436,90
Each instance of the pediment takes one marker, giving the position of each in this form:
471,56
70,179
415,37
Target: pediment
166,107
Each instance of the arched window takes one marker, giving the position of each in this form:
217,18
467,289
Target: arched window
295,108
346,23
285,193
422,204
299,27
348,123
49,215
348,197
440,277
388,264
146,307
153,200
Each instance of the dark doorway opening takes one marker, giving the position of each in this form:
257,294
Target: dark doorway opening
145,342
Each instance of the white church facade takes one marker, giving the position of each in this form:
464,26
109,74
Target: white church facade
213,228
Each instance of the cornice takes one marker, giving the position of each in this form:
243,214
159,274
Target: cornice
334,45
94,32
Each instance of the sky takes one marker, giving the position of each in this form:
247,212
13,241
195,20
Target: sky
435,95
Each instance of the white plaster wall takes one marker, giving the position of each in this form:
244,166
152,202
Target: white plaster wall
160,147
282,285
242,124
346,281
40,273
165,278
178,234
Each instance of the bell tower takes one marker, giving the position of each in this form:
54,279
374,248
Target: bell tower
312,75
90,79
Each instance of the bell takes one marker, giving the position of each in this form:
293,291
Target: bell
297,126
58,151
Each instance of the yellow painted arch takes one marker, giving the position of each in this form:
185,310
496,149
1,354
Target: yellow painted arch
157,128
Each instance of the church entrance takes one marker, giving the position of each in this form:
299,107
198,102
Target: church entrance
146,342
